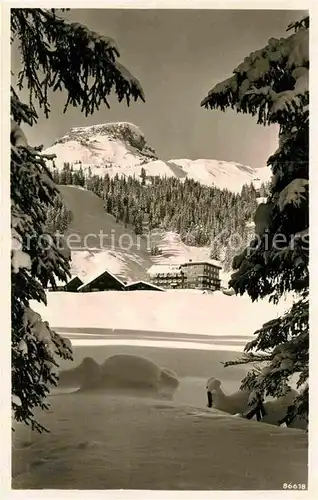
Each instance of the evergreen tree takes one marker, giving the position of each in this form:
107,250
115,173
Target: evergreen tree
138,223
58,217
81,177
143,176
55,55
272,83
63,175
56,176
264,190
126,218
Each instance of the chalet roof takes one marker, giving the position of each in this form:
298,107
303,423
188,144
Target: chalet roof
75,278
98,275
144,283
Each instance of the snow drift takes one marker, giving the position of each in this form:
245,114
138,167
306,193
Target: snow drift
234,403
145,443
237,404
124,373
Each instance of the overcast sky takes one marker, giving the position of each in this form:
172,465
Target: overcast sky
178,56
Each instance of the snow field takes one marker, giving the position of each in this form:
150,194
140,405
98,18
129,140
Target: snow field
117,442
184,312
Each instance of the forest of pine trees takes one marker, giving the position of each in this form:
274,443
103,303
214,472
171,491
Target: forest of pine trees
202,215
58,216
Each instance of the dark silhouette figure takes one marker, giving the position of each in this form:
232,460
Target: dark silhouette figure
210,400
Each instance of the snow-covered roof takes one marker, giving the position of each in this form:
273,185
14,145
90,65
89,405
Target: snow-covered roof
176,268
144,283
97,275
164,268
261,199
210,262
250,224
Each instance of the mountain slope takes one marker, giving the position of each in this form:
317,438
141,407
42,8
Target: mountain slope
121,148
98,242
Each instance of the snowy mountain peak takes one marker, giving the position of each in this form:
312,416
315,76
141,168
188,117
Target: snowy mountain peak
103,145
120,148
124,131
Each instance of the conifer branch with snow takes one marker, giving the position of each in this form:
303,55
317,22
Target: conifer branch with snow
55,55
272,84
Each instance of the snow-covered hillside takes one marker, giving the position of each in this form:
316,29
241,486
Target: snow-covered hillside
92,253
121,148
120,250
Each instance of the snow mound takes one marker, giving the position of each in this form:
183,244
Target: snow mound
233,404
276,410
121,149
122,372
76,377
